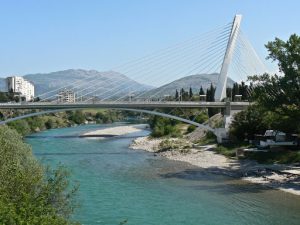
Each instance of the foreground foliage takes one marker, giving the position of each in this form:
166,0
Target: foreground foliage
30,193
277,97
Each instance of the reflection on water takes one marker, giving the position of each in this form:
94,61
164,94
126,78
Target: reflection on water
117,183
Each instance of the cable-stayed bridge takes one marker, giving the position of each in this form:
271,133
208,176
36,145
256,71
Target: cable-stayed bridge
224,51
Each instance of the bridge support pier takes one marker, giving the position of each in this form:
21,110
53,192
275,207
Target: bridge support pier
227,108
221,134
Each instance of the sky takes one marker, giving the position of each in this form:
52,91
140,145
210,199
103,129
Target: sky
39,36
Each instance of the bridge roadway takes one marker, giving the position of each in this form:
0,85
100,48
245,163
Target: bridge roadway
129,105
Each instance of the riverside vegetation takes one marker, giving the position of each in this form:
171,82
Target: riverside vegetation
277,97
30,193
277,101
62,119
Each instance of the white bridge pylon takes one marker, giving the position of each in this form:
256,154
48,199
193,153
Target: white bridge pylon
220,93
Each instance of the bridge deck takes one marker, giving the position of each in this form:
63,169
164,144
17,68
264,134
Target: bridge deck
133,105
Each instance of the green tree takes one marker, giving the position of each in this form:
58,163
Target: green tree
280,94
235,90
163,126
210,97
243,90
201,92
50,123
249,122
21,126
210,93
30,193
102,117
229,93
77,117
176,95
190,93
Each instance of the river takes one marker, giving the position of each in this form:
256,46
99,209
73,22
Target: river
119,184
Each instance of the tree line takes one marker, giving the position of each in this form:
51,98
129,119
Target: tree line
208,95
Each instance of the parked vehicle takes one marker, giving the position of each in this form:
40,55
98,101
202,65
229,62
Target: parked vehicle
275,138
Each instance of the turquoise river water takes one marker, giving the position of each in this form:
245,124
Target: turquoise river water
119,184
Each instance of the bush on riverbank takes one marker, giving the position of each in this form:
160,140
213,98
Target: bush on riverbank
164,127
30,193
35,124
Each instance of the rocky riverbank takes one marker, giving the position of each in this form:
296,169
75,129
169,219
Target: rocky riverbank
283,177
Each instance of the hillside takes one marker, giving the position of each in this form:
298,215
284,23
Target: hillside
90,80
193,81
112,82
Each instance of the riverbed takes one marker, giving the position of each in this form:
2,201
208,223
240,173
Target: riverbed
120,184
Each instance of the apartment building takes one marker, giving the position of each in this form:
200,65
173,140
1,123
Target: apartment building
20,86
66,96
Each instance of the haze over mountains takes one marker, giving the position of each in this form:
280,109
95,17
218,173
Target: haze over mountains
103,84
92,81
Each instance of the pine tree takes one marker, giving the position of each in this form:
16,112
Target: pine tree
176,96
244,91
229,93
191,93
210,97
210,93
201,92
235,90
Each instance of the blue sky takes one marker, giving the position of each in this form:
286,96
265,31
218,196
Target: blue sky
45,36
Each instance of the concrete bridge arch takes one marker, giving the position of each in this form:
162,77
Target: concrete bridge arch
206,127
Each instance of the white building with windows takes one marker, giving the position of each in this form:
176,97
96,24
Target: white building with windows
66,96
20,86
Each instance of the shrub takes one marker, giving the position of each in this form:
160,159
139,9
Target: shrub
247,123
163,127
21,126
29,193
77,117
191,128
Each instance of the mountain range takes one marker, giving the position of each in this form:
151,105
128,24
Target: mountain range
91,82
111,83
